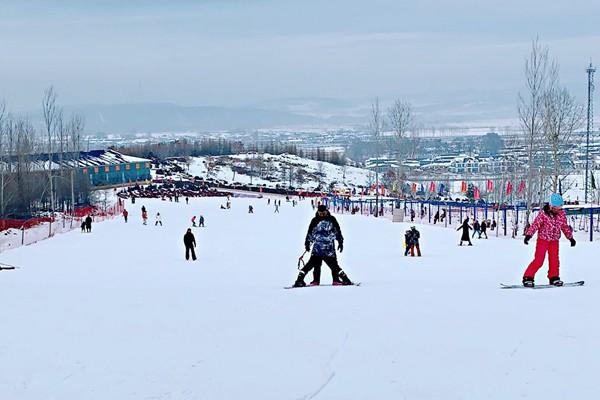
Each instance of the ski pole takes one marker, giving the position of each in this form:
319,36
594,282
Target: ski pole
301,260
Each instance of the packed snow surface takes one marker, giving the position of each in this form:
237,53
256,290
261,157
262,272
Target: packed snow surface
120,314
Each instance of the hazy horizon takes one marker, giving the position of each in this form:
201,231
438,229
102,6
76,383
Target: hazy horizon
240,53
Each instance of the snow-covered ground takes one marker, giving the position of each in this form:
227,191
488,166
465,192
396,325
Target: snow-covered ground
120,314
277,166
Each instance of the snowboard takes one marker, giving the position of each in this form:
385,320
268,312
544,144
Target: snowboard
324,284
6,267
566,284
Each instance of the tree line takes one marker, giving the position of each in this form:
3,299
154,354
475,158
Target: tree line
39,167
224,147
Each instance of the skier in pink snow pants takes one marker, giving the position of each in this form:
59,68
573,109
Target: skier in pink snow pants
548,224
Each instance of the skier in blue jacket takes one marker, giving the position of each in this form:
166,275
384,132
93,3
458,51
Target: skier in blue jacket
322,233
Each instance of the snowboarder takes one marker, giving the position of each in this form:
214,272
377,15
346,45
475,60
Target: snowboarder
465,232
322,232
201,221
125,214
190,243
88,224
250,210
549,222
158,220
415,235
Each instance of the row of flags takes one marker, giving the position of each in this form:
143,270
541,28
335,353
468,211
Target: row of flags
433,187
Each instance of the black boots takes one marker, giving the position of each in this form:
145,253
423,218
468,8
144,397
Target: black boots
555,280
300,280
528,281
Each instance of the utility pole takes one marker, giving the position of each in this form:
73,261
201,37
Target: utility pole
590,123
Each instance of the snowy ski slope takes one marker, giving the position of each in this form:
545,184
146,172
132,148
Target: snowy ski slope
120,314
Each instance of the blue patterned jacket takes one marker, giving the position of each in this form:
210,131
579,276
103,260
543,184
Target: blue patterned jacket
322,232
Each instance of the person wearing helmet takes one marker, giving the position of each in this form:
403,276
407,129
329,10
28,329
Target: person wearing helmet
322,232
548,224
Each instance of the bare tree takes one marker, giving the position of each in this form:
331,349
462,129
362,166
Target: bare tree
2,151
401,120
562,117
531,111
50,112
376,127
320,172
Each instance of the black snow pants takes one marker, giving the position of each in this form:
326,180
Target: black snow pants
316,261
187,253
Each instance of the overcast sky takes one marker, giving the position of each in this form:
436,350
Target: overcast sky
237,52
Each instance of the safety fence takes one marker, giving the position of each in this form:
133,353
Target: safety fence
503,220
15,233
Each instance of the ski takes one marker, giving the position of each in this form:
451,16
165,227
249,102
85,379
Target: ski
566,284
325,284
6,267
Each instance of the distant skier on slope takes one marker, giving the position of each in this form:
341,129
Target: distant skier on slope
549,222
322,233
190,243
465,232
415,235
88,224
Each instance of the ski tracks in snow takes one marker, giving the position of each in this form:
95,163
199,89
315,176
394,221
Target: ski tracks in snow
330,375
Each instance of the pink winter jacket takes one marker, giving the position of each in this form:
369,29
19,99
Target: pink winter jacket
549,226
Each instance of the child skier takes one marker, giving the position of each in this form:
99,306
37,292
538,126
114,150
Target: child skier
407,242
549,222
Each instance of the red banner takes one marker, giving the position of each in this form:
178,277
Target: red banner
521,187
476,194
432,187
509,187
414,188
490,185
463,187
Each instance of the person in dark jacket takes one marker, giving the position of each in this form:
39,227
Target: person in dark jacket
483,228
407,242
322,233
465,232
436,217
476,229
190,243
88,224
415,235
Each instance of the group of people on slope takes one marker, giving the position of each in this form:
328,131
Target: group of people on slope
86,224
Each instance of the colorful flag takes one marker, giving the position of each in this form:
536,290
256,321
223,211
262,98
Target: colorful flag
490,185
509,188
463,187
521,187
476,194
432,187
414,188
